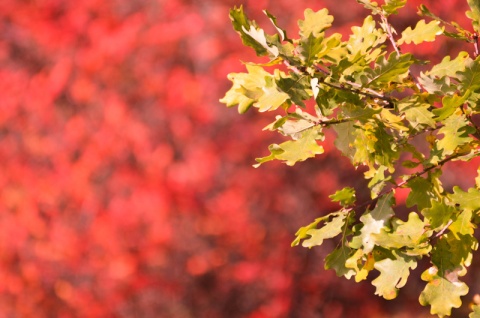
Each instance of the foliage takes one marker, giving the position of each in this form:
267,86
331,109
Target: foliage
402,127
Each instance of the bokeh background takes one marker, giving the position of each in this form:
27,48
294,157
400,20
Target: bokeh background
127,189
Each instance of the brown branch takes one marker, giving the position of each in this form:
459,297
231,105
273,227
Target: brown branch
475,45
367,92
387,28
413,176
360,90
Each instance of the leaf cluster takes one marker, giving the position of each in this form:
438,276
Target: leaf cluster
402,127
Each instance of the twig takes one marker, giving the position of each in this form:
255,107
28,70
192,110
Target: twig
444,228
361,90
367,92
326,123
475,45
413,176
293,68
388,29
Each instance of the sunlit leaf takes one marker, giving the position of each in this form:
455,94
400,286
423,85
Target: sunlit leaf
466,200
440,293
315,22
474,13
392,6
393,69
393,275
455,133
421,33
294,151
345,197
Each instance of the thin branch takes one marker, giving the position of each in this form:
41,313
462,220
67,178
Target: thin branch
360,90
326,123
444,228
387,28
370,91
295,69
367,92
318,68
475,45
413,176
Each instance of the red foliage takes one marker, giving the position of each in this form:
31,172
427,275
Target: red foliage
127,189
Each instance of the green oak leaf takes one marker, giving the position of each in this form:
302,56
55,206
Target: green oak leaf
448,67
455,133
272,97
421,193
293,151
246,88
374,146
305,231
463,225
309,47
440,293
423,32
302,232
362,264
393,69
403,234
336,260
295,86
345,197
356,111
328,230
416,112
330,44
392,6
470,77
393,121
241,23
474,14
450,105
377,180
438,215
373,6
364,39
375,221
315,22
434,85
345,138
476,312
466,200
294,128
393,275
460,249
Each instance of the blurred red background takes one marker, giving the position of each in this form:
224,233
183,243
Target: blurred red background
127,189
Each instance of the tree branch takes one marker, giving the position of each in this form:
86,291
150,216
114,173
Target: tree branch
413,176
475,45
388,29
